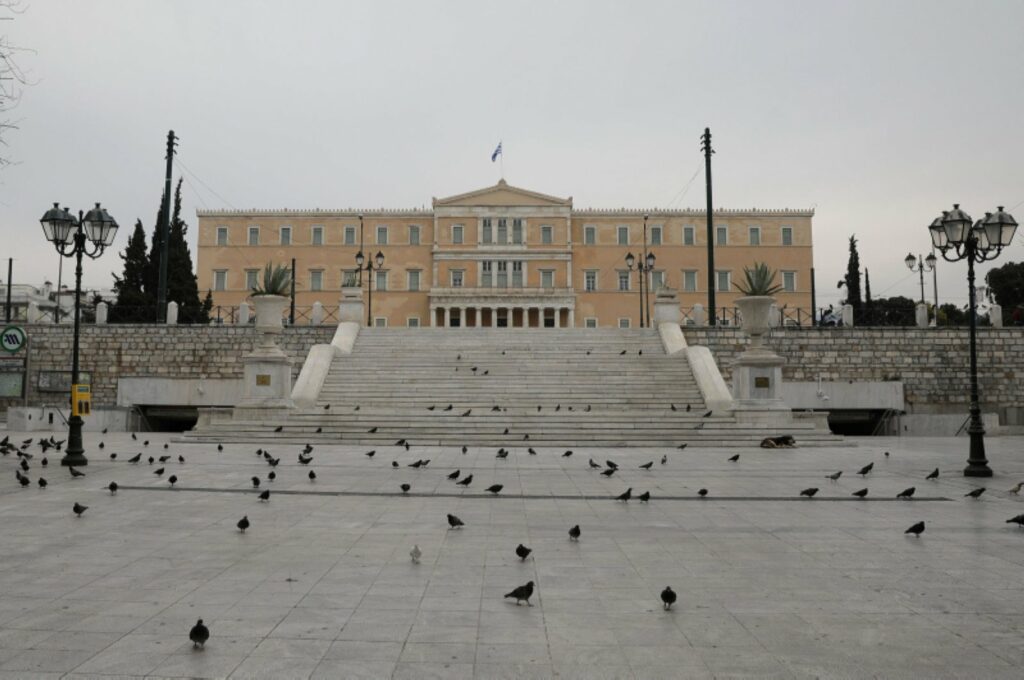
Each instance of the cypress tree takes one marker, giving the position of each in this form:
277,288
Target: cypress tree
852,277
133,303
181,281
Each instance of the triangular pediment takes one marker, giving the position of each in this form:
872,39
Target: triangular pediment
503,194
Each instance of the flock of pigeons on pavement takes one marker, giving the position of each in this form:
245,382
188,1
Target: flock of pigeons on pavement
200,633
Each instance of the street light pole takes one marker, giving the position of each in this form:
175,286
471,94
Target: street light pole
953,233
99,228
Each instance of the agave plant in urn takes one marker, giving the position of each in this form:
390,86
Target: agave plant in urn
758,288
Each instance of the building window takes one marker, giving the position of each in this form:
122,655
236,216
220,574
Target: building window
382,236
546,234
316,279
688,236
349,278
457,275
220,279
254,236
755,236
623,323
457,230
657,281
590,280
503,275
656,236
723,280
721,236
789,282
623,280
590,322
413,322
502,230
382,281
787,236
350,236
690,281
317,236
547,278
286,236
486,276
252,278
488,232
517,274
623,236
517,231
590,235
414,235
380,321
414,279
222,236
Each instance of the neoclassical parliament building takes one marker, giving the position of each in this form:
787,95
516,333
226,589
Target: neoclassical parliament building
503,257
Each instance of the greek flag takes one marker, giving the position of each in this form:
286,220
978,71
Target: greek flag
497,152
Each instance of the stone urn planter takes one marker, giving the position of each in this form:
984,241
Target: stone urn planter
755,312
269,317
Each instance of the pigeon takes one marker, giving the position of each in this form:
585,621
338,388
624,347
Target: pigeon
75,473
243,524
431,408
502,453
506,431
278,428
405,488
522,593
44,462
682,446
356,408
645,496
496,408
574,533
465,481
860,494
166,446
587,409
523,552
181,460
24,481
113,488
495,488
145,443
158,472
105,430
612,464
164,459
558,407
454,475
673,407
78,508
1018,520
265,495
152,460
306,450
255,482
647,466
609,472
916,529
733,459
976,493
702,493
319,430
639,352
134,438
306,460
199,635
668,598
664,459
626,495
24,465
1017,487
465,449
688,407
449,407
622,353
707,415
886,454
312,476
101,445
865,470
454,522
906,493
593,465
531,451
394,463
42,482
371,430
418,464
400,442
934,474
172,479
468,411
220,447
273,462
809,492
835,476
415,554
271,476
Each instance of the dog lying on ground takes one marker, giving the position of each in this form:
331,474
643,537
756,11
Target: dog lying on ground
786,441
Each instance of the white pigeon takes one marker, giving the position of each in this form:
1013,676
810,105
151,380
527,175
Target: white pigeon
1017,487
415,553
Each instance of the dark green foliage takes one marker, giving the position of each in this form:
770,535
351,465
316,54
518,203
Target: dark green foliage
852,278
894,311
181,282
867,289
133,303
1006,287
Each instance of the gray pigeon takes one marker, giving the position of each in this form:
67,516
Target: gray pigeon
522,593
668,598
199,635
454,522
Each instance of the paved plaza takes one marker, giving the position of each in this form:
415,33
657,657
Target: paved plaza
321,585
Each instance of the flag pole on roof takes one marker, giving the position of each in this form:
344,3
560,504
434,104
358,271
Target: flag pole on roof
494,156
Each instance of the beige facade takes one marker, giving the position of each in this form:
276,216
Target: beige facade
504,256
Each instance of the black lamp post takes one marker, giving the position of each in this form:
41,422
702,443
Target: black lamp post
957,240
72,238
645,266
921,266
375,265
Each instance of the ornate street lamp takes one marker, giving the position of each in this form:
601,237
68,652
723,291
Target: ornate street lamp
921,266
644,267
72,238
374,265
956,238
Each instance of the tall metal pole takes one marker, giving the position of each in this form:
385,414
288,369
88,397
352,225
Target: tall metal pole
60,276
706,146
646,283
165,222
977,464
360,270
935,286
75,452
369,285
814,301
10,273
920,269
291,314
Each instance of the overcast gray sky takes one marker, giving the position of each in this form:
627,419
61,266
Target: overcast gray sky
877,114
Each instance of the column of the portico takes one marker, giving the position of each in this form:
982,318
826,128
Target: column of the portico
447,317
558,317
572,318
433,316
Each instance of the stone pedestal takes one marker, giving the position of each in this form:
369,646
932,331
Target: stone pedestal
350,308
995,315
666,307
757,373
846,314
921,315
267,386
697,314
243,314
101,313
172,313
